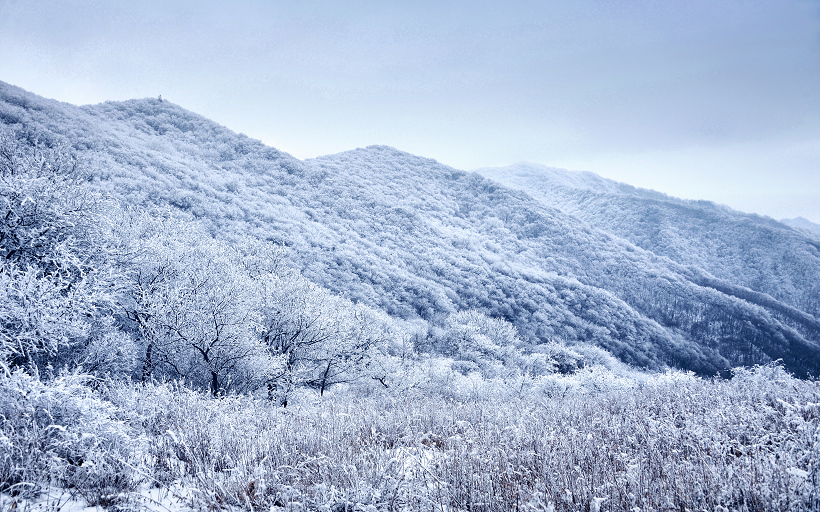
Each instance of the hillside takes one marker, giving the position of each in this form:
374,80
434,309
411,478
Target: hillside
752,251
416,238
802,224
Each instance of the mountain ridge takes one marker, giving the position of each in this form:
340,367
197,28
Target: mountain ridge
419,239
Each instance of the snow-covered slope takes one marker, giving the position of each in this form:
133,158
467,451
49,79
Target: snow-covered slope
803,224
417,238
752,251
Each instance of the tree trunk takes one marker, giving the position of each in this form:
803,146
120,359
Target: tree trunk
147,364
324,380
214,384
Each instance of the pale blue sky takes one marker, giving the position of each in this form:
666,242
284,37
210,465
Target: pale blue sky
701,99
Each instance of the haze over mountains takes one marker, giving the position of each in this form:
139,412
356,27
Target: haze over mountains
569,257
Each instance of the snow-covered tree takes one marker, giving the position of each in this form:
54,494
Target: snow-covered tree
487,343
58,282
198,309
323,338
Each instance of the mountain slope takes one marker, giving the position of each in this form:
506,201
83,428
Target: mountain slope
802,224
748,250
417,238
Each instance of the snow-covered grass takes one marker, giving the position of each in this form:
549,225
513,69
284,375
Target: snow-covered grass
63,434
588,441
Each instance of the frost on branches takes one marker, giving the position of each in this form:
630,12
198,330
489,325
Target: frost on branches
57,280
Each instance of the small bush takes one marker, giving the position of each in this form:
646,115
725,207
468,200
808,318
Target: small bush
59,433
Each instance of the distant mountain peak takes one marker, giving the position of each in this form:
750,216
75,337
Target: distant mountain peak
803,224
747,249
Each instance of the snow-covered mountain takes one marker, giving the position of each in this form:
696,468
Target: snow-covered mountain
749,250
420,239
803,224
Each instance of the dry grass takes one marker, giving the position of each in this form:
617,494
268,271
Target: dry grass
670,442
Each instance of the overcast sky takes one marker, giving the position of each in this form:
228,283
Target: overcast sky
702,99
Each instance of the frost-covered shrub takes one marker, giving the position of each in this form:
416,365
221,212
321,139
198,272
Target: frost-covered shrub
479,343
60,433
108,351
553,357
492,347
465,367
762,374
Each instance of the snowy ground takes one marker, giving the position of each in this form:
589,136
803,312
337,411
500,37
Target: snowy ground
171,499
